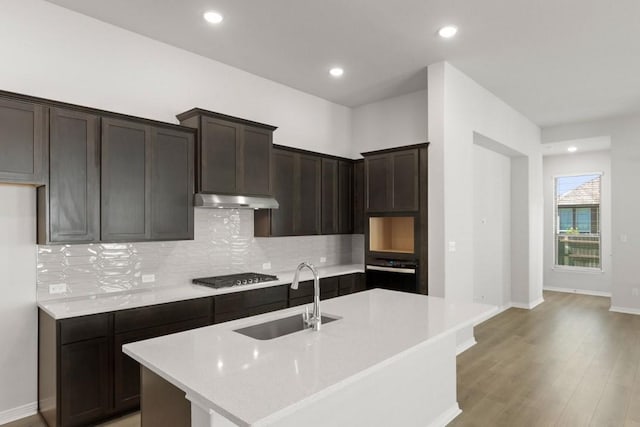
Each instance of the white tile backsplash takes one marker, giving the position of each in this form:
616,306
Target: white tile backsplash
223,244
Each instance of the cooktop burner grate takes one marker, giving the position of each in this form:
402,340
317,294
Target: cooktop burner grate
234,280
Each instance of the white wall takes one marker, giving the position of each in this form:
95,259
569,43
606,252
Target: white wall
491,227
577,164
54,53
393,122
625,201
51,52
18,311
457,108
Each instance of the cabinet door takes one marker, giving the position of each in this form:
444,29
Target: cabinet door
329,205
358,197
405,180
219,153
282,219
377,183
84,381
22,130
172,184
74,177
345,197
256,161
127,371
308,207
126,197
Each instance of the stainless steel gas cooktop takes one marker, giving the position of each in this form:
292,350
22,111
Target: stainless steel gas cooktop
234,280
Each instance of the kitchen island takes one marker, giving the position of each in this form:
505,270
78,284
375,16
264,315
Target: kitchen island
388,360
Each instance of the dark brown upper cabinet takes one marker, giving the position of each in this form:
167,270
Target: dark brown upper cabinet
22,135
329,196
147,182
296,182
308,194
172,182
72,195
345,197
126,181
358,197
281,220
337,196
233,155
392,180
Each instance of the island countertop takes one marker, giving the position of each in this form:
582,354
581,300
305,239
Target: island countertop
253,382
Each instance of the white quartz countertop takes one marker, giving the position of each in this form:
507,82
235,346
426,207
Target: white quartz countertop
86,305
255,382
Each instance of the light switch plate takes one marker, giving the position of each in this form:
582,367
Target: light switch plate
266,266
59,288
323,259
452,246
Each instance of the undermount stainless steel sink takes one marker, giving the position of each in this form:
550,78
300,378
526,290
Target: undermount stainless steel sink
279,327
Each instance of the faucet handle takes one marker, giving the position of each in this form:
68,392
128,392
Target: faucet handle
305,315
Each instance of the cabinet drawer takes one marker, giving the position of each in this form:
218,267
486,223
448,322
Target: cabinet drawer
245,300
328,287
162,314
233,315
84,328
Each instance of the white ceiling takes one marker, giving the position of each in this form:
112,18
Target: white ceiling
555,61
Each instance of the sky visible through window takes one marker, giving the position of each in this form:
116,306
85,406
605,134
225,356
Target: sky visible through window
564,184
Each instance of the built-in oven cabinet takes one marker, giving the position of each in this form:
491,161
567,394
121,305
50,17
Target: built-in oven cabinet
394,275
392,180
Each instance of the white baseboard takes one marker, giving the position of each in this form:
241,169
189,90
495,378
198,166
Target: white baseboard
578,291
18,413
625,310
529,306
447,416
461,348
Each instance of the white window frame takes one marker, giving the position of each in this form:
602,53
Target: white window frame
554,216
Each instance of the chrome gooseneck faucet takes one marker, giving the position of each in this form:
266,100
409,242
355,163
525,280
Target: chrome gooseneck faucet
315,320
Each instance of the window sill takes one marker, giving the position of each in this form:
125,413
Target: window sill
584,270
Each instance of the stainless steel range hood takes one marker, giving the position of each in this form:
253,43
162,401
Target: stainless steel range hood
223,201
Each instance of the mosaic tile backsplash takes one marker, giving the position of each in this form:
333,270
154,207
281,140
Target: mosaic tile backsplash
223,244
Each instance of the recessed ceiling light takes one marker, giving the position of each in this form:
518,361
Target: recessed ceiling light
213,17
572,149
336,71
448,31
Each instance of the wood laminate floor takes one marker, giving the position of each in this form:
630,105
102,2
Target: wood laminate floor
568,362
132,420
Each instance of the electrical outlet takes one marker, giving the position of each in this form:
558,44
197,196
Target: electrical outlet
624,238
323,259
59,288
148,278
452,246
266,266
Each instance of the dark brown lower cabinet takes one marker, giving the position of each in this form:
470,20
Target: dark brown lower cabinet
249,303
352,283
126,372
304,294
84,381
84,378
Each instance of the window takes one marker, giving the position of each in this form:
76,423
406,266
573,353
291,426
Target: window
577,224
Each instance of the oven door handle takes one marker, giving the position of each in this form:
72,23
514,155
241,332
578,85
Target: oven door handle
392,269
